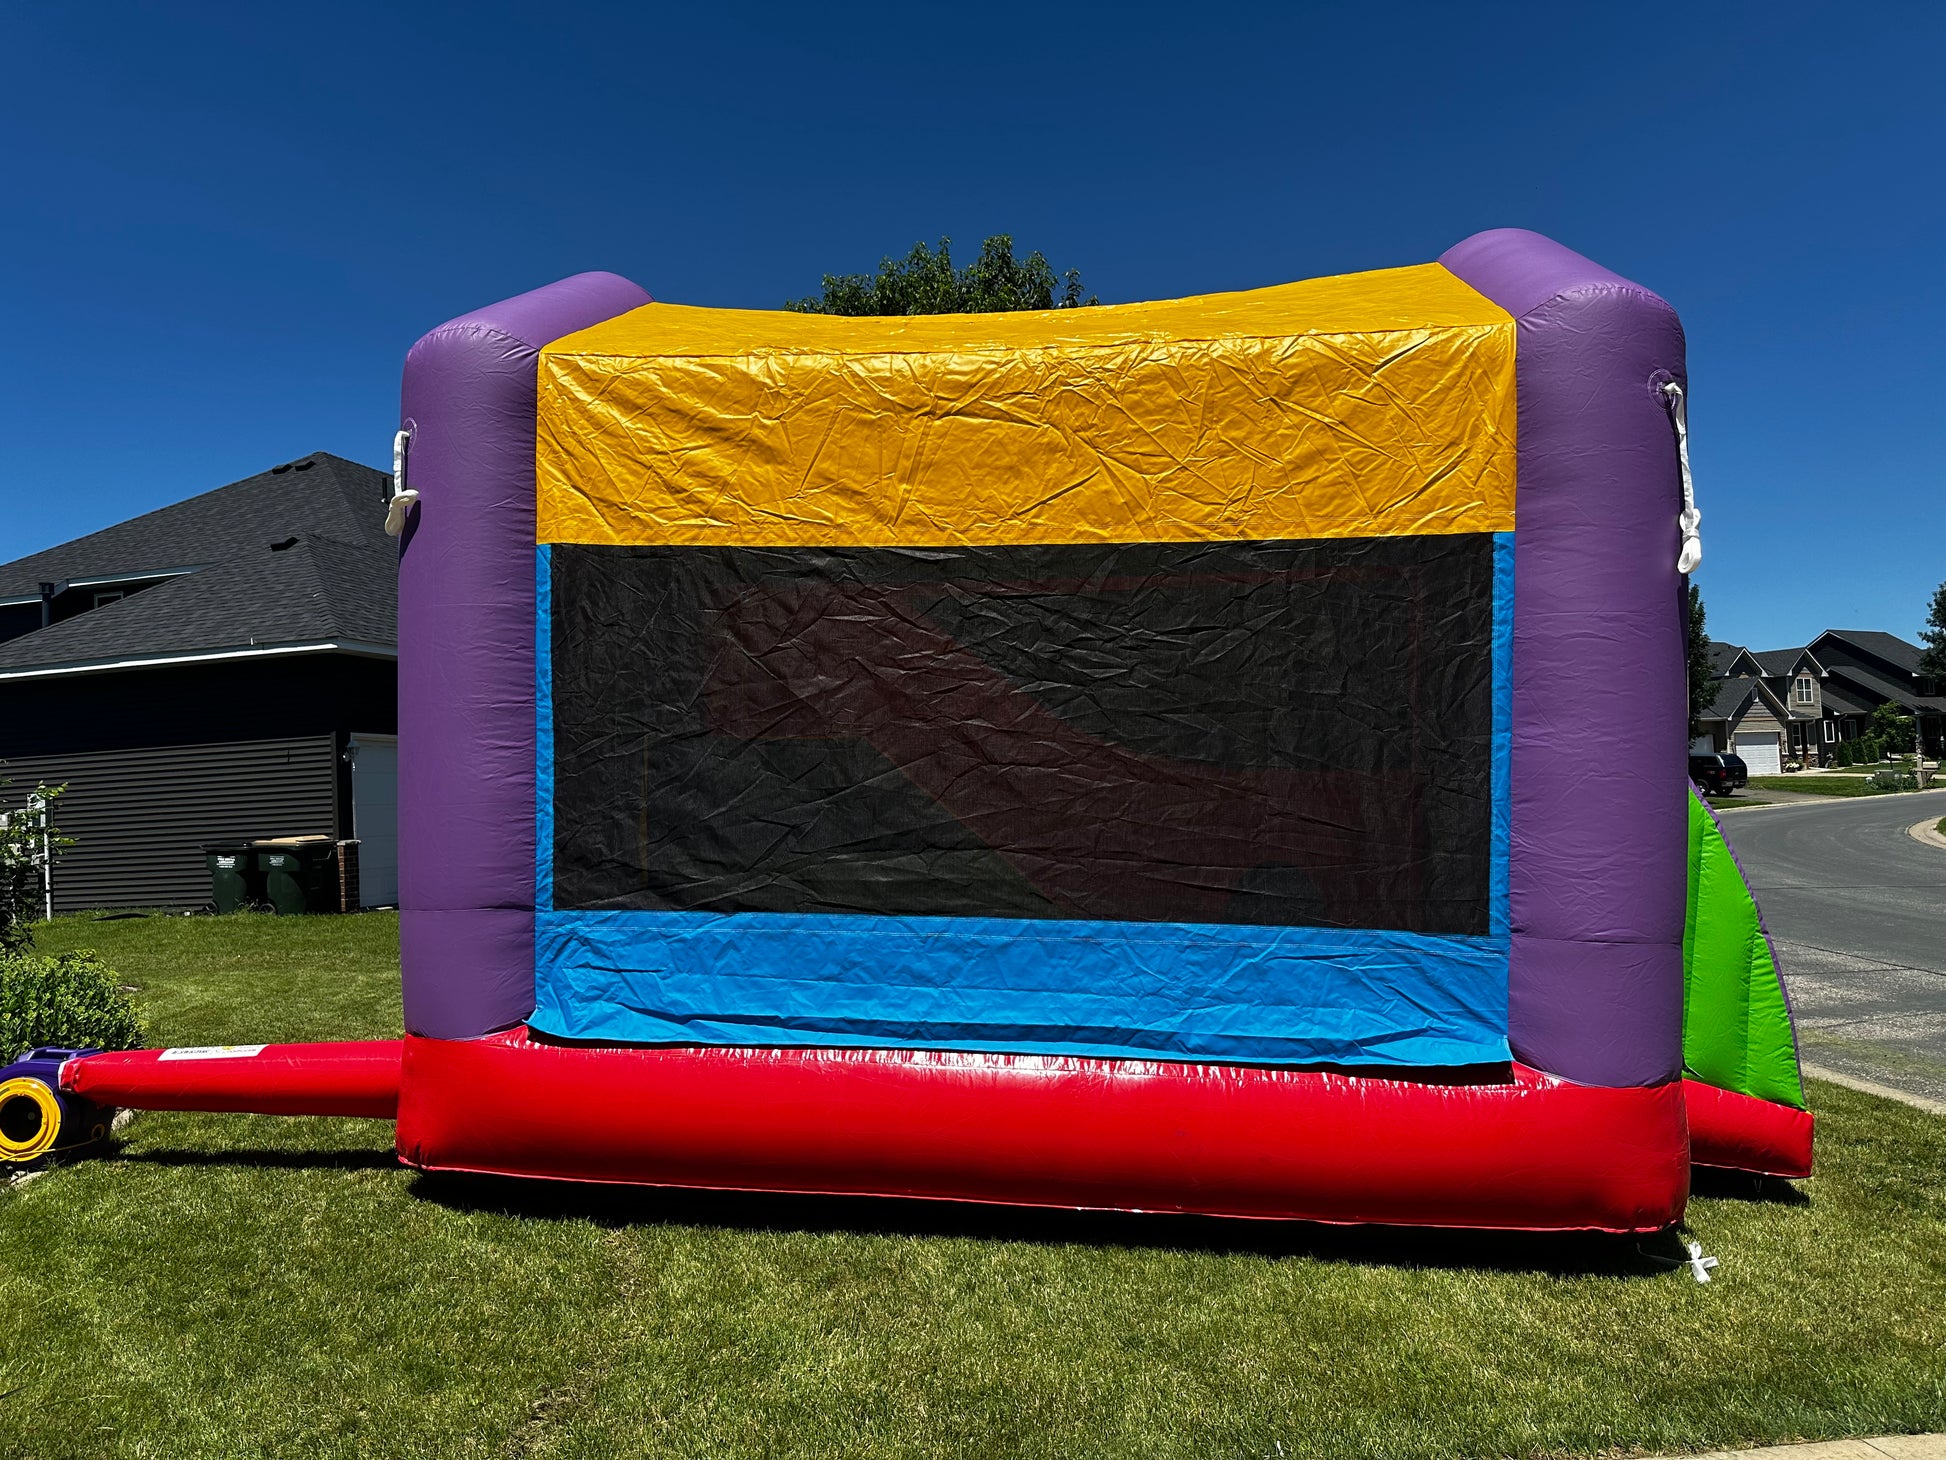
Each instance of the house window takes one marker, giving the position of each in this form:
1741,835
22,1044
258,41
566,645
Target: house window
108,595
1830,730
1802,691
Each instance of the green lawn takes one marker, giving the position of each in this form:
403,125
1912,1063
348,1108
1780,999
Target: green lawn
1818,785
243,1286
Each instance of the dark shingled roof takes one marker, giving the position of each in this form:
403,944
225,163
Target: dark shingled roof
1778,661
1838,702
1889,647
1731,695
337,582
1722,654
1885,689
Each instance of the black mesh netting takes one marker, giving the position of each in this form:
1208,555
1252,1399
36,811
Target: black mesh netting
1272,733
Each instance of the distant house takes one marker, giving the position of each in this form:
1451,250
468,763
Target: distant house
218,669
1778,705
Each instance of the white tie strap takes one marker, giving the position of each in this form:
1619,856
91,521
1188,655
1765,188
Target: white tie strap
402,496
1691,517
1699,1265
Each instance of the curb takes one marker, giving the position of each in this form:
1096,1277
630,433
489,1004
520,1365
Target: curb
1886,1447
1922,831
1884,1092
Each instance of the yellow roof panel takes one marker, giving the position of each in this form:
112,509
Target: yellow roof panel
1363,405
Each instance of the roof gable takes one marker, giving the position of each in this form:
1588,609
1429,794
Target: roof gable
295,556
1731,659
1889,649
1776,663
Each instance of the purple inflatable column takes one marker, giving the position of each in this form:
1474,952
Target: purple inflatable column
466,657
1598,876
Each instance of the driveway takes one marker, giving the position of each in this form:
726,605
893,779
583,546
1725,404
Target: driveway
1857,909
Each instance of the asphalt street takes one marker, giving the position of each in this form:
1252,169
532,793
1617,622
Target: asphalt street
1857,910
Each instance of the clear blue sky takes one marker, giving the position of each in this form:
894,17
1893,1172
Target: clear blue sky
223,225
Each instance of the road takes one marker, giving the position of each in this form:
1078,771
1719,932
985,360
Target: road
1857,909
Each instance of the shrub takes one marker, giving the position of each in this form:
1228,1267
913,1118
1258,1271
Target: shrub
1846,754
63,999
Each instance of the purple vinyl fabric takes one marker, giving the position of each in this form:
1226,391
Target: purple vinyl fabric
466,657
1600,822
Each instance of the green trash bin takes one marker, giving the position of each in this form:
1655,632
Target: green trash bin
233,880
296,873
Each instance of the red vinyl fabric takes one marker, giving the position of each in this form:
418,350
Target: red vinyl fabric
1534,1153
1743,1133
353,1077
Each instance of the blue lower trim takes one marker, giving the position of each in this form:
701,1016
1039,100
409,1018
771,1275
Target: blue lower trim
1185,991
543,730
1498,920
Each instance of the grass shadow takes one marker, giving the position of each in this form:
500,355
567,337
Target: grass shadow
1713,1183
265,1159
1559,1254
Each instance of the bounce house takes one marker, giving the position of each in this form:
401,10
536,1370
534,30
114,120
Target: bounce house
1223,755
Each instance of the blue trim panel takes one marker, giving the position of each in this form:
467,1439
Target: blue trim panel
543,730
1498,918
1169,990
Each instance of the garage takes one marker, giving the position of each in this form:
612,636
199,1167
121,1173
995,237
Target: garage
1759,752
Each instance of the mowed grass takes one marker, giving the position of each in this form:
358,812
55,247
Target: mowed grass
242,1286
1821,785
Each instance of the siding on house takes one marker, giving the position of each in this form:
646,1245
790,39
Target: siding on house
141,817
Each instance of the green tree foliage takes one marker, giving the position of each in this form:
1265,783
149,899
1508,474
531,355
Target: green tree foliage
1932,661
71,999
1891,727
1702,677
925,282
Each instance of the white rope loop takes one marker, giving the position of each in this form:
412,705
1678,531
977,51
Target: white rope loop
402,496
1691,517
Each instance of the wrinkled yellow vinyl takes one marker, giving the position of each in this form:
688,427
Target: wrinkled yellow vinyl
1366,405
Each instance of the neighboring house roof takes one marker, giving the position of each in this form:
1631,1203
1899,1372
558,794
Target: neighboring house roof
1734,699
1777,663
1888,647
1881,688
1837,702
295,557
1724,659
1731,696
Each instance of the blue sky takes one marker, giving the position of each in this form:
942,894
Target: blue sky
224,225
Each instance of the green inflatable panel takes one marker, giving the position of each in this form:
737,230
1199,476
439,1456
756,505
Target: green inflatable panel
1736,1026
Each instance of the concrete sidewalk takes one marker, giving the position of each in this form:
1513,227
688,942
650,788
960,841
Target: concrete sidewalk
1890,1447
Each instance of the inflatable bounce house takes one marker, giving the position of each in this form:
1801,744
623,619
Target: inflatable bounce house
1223,755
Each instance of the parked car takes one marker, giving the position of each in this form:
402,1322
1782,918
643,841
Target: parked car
1739,772
1708,770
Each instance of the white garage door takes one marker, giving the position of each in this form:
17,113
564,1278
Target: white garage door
1759,752
375,817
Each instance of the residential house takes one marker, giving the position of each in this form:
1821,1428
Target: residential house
1776,706
222,668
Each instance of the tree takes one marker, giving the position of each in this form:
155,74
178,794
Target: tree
1891,727
1702,674
1932,661
925,282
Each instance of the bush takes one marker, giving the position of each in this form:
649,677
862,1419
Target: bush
1845,754
66,999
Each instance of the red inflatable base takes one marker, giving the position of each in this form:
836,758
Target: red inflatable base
346,1078
1743,1133
1535,1153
